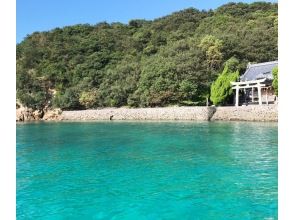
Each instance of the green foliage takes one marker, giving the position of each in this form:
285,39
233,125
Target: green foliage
221,88
67,100
32,100
232,64
171,60
275,81
88,99
187,89
212,47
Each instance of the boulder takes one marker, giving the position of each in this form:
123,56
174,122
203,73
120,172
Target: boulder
38,114
24,114
28,114
52,114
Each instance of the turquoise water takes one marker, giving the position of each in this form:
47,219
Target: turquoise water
147,170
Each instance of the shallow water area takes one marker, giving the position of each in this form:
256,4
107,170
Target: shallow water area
147,170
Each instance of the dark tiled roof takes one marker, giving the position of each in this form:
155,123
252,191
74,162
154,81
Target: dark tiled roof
259,71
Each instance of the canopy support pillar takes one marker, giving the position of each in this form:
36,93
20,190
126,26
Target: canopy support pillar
237,96
259,94
266,97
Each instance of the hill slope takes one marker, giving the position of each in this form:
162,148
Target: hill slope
170,60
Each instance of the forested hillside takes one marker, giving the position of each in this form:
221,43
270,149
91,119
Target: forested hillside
167,61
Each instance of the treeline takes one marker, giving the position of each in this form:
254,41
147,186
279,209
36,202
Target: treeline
172,60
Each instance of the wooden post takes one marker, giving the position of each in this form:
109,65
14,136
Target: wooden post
259,94
237,96
252,98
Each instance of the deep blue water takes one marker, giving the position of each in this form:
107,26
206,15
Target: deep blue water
147,170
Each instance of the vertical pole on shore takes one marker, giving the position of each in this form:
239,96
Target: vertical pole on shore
259,94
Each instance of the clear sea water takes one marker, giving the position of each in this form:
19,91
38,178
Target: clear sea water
147,170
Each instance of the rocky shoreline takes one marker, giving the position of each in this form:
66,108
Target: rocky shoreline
28,114
211,113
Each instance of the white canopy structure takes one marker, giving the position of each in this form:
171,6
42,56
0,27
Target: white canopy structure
256,76
249,84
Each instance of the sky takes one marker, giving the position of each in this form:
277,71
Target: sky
44,15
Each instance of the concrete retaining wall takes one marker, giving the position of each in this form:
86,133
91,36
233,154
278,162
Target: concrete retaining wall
241,113
167,113
247,113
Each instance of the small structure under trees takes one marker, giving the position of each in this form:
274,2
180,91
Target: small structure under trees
256,84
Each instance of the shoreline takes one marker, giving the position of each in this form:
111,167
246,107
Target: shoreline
142,114
263,113
141,121
267,113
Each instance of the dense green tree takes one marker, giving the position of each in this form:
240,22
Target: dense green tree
213,49
89,99
221,89
67,100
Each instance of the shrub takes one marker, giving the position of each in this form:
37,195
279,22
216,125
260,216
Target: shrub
88,99
67,100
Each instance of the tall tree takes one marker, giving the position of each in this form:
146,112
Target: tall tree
221,89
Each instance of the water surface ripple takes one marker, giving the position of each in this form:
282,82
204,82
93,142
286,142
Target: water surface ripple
147,170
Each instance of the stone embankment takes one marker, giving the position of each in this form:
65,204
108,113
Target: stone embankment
241,113
167,113
247,113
